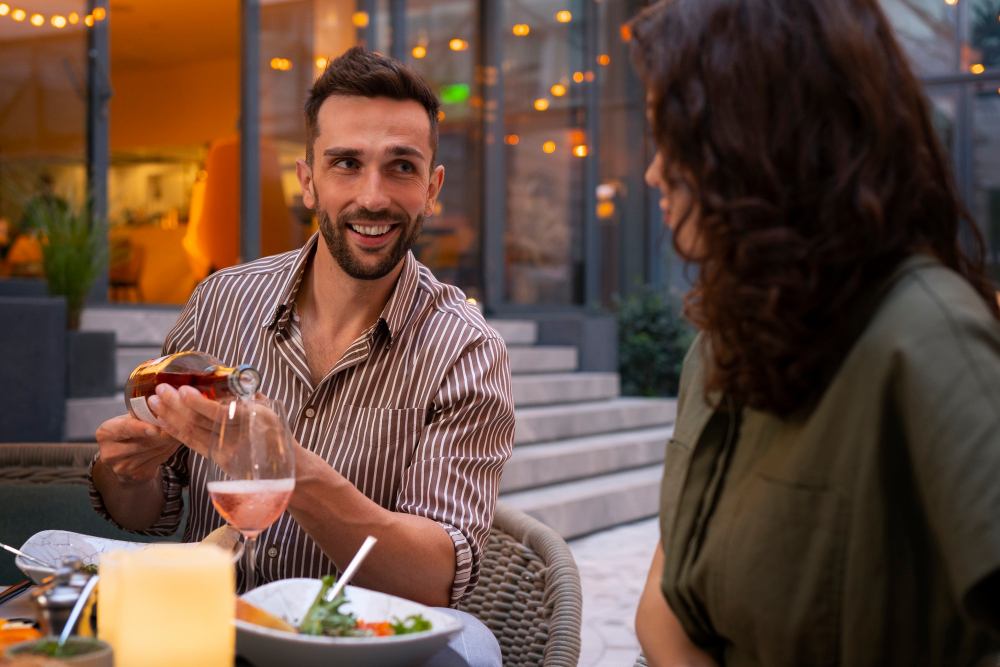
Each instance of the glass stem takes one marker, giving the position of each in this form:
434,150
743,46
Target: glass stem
249,572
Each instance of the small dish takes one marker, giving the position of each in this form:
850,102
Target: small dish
99,654
52,546
290,599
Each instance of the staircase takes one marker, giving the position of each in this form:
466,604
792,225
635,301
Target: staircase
585,458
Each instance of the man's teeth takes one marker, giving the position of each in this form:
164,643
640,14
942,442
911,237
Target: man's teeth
371,231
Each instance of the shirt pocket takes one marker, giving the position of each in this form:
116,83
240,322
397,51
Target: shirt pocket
374,446
782,579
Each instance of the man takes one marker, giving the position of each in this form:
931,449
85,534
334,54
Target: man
398,393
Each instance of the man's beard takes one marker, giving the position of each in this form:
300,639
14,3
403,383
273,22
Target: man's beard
339,246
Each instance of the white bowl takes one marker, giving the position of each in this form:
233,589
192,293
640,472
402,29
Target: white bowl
52,546
290,599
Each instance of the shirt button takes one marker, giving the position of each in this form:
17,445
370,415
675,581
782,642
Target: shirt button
272,552
310,413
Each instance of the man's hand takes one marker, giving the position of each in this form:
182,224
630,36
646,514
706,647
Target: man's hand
185,414
133,450
127,472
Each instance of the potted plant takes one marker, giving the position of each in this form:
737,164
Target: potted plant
74,251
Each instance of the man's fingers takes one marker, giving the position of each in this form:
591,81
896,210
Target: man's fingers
124,427
197,401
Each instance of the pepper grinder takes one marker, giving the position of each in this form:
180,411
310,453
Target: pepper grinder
55,598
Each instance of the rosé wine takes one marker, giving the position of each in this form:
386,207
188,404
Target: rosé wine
251,505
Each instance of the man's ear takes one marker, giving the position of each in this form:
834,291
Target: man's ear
434,189
304,173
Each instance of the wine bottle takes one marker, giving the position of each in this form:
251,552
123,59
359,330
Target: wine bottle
192,369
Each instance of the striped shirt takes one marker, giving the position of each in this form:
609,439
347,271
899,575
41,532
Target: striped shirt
417,414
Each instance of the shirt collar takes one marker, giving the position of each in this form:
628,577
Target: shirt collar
393,315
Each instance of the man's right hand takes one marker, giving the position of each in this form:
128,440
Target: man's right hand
133,449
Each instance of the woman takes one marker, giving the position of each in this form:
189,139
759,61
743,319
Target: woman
832,492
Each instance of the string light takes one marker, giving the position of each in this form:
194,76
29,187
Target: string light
521,29
440,115
88,20
419,52
458,44
549,147
74,18
580,151
951,2
626,33
321,63
511,139
558,90
541,104
282,64
37,20
360,19
99,13
4,9
564,16
977,68
603,59
59,21
578,77
18,15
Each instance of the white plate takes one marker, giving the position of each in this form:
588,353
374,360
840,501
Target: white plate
52,546
290,599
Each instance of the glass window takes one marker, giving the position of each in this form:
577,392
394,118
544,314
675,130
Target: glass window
926,30
984,33
441,46
43,101
545,72
986,165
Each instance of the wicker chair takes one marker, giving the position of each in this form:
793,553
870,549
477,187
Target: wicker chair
529,592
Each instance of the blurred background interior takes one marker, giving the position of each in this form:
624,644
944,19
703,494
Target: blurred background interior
543,133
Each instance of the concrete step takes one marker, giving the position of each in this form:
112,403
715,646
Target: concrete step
553,388
84,415
542,359
128,358
565,460
132,326
556,422
585,506
516,332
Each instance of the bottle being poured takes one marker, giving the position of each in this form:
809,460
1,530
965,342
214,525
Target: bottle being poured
188,369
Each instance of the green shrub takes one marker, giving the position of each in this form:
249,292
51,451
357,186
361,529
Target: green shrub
652,341
73,250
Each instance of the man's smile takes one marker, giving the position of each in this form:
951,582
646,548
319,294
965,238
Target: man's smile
372,235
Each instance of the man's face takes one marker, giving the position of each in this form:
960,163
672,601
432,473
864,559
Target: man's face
371,181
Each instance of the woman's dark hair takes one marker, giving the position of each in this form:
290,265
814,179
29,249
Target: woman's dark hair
362,73
807,145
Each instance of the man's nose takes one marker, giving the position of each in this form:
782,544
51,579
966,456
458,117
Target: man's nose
372,195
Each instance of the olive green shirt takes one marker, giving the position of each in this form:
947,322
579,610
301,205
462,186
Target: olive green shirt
850,533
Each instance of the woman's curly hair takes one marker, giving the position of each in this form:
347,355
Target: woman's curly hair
807,144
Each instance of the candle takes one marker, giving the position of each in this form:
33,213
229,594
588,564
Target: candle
107,592
170,605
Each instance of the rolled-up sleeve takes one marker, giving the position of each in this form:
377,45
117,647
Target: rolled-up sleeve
176,475
455,472
175,471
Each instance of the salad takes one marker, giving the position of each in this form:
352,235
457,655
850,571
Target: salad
326,619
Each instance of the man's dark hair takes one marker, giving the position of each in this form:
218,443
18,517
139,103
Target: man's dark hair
362,73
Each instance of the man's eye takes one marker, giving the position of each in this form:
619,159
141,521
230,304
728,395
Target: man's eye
406,167
346,163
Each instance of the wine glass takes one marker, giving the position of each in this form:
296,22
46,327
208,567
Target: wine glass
251,473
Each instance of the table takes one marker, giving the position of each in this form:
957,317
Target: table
20,607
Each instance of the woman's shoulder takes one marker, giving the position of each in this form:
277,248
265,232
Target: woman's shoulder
929,303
